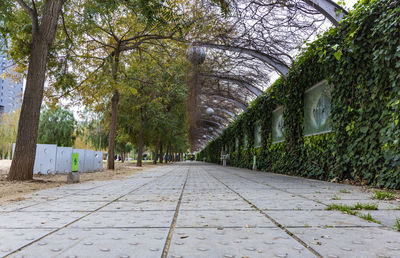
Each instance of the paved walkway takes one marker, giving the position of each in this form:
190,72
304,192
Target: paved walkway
197,210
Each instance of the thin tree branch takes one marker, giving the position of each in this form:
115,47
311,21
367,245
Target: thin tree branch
32,13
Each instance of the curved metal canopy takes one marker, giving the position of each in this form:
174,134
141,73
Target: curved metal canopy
217,117
332,11
256,91
217,123
234,101
279,66
229,113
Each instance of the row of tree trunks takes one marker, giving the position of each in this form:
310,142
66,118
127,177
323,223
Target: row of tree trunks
174,156
168,156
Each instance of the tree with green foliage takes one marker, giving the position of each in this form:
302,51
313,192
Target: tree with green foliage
153,111
96,133
108,32
31,48
32,44
8,132
57,126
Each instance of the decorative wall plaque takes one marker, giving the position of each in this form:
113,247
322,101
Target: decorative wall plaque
277,125
236,144
257,135
317,109
245,141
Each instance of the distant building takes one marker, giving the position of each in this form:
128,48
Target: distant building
10,91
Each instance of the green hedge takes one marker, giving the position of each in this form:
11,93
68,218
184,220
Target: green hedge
361,58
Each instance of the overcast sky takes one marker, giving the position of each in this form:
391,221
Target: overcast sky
349,3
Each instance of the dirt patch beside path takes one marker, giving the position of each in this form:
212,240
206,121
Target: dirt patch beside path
15,191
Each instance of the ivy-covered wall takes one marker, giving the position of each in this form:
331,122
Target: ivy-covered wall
361,59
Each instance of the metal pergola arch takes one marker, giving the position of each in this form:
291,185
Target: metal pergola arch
332,11
253,89
229,113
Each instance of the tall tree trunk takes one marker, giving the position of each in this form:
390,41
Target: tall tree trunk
156,151
140,143
114,110
113,130
121,150
42,39
161,153
167,154
140,149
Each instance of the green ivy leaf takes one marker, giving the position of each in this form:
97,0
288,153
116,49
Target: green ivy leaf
338,55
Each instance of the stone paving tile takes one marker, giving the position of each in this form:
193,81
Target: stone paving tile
87,186
382,205
352,242
268,194
236,242
87,197
124,242
61,205
215,205
386,217
301,218
18,219
216,190
294,203
336,195
50,193
13,206
165,192
122,219
13,239
149,197
210,197
160,205
222,219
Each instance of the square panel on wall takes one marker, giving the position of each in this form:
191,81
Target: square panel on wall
317,109
277,125
236,144
257,134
